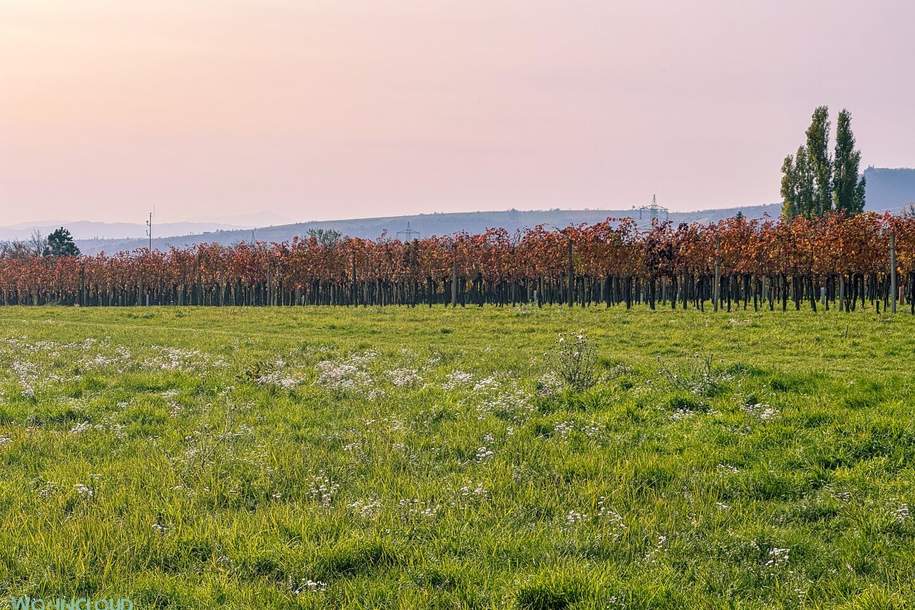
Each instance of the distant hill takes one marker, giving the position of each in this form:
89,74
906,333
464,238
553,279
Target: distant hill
424,224
889,189
85,230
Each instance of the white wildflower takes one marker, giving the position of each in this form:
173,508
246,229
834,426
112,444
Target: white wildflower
322,489
417,508
457,379
80,427
27,375
483,454
477,491
609,515
514,405
761,411
160,528
84,490
681,414
367,509
777,557
549,384
573,517
346,375
487,383
278,379
403,378
564,428
310,586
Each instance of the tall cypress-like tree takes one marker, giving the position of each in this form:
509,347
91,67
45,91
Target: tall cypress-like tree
819,160
798,186
860,195
805,184
847,187
789,189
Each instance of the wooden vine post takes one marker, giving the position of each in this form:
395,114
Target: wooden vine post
454,276
352,290
717,288
893,289
571,273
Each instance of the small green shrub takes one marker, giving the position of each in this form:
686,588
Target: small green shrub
576,362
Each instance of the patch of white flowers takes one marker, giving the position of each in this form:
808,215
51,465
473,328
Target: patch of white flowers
278,379
487,383
608,514
483,454
179,359
777,557
514,405
549,384
404,378
457,379
413,507
80,427
681,414
573,517
367,509
564,428
84,490
761,411
322,489
310,586
27,375
475,491
345,375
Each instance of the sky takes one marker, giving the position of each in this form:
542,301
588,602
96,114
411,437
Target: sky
322,109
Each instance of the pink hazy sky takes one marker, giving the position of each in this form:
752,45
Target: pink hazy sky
334,108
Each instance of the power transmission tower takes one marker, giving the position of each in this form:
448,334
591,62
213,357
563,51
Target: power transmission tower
408,234
149,230
653,210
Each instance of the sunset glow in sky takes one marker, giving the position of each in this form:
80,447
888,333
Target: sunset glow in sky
317,109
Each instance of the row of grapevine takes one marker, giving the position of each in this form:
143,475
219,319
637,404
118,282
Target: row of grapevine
833,261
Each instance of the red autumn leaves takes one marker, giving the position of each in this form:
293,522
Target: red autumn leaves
820,246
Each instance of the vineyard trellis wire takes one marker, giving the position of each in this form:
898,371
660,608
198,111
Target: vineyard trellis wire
833,261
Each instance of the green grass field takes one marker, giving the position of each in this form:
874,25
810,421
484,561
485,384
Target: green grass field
398,458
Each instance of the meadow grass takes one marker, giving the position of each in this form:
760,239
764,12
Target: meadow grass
417,458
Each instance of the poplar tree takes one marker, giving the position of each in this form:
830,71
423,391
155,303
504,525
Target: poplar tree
847,187
860,195
789,189
798,188
804,181
819,160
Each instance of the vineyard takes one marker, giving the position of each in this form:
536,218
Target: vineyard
836,261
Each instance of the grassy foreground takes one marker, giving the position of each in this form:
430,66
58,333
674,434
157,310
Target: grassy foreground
243,458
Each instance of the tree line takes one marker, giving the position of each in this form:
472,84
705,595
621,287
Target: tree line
832,260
